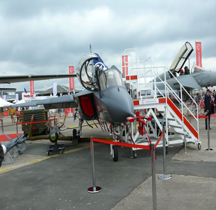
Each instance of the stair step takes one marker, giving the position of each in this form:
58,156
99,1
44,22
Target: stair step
172,119
181,132
175,126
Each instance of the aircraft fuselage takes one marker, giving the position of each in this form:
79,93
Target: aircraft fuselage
113,105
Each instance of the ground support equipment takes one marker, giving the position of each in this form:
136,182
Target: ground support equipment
56,149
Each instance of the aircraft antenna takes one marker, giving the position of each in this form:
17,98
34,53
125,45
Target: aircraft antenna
90,49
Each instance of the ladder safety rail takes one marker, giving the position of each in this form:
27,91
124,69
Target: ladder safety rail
169,89
183,105
147,80
144,62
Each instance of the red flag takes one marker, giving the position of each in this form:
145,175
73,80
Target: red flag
71,87
71,79
198,54
125,64
31,87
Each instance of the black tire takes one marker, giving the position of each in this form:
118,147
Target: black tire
74,133
199,146
115,153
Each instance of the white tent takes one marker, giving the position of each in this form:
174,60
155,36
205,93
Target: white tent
4,103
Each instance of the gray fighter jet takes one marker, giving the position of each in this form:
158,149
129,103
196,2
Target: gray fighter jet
196,79
104,97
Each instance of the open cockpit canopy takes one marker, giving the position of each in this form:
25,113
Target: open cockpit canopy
181,57
85,71
91,77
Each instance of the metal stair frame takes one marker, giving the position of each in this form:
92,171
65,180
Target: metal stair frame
170,107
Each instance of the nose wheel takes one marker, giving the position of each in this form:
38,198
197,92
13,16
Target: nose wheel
115,153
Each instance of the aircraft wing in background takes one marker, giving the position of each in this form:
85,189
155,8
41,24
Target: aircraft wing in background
25,78
66,101
188,82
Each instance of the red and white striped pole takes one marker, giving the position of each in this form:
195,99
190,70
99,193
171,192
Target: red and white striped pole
198,53
32,88
71,84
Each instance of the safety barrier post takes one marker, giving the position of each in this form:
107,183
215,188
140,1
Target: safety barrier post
209,149
185,143
16,129
95,188
2,127
154,196
164,176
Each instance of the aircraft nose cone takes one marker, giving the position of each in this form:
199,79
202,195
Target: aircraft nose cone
119,104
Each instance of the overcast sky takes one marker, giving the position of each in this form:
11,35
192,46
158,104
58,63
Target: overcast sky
47,36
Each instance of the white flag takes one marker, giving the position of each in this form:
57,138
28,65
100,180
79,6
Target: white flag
54,88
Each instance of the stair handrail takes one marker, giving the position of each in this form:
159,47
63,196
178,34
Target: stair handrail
168,88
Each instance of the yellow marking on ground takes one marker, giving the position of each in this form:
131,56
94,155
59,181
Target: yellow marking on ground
83,125
5,169
45,158
93,126
37,161
74,126
78,149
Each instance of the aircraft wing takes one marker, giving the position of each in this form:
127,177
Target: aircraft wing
24,78
66,101
188,82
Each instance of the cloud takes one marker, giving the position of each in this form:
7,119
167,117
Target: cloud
45,37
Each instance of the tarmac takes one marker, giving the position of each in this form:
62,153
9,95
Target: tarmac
37,181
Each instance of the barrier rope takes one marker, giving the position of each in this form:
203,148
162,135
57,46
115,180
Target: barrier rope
121,144
147,147
34,122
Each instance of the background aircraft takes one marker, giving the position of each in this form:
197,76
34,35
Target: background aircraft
196,79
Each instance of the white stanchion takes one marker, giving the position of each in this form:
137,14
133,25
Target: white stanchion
154,196
208,125
94,188
185,144
164,176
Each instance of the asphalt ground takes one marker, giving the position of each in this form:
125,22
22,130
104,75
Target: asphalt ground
37,181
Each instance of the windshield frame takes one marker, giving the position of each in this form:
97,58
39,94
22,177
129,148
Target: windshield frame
110,78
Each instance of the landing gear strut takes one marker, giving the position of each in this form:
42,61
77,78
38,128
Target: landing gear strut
133,154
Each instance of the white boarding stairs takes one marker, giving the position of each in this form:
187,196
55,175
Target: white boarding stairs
177,129
152,98
180,130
